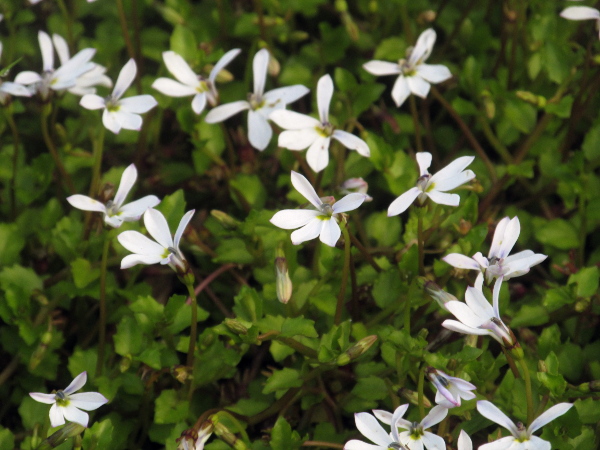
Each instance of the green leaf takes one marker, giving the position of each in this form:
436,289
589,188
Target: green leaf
299,326
587,280
521,115
18,283
250,188
82,272
7,439
11,243
552,379
147,312
530,315
549,340
248,305
169,408
128,338
387,288
588,410
558,233
183,42
371,388
285,378
557,297
173,208
282,436
233,250
344,80
591,143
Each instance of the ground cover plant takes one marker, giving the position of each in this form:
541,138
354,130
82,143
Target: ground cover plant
277,224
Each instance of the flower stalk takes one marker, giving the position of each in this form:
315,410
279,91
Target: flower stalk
342,293
102,324
46,112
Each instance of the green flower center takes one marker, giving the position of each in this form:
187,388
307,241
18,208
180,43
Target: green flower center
61,398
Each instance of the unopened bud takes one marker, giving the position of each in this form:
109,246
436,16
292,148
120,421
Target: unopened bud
40,351
530,97
228,222
594,386
235,326
426,17
582,305
357,185
125,363
223,432
180,373
283,283
542,367
351,27
70,430
356,350
274,67
297,36
488,104
438,294
224,76
413,397
341,5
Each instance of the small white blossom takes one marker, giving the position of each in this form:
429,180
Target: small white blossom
416,438
582,13
450,389
67,405
65,77
321,221
372,430
260,104
413,74
303,131
522,438
115,213
121,113
164,249
434,186
8,88
203,89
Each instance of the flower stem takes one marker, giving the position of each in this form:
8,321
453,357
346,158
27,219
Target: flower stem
420,387
415,116
52,149
194,324
365,253
102,325
342,293
98,150
128,42
528,390
420,241
15,161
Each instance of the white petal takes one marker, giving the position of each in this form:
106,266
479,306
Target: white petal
491,411
172,88
61,47
183,223
475,300
536,443
452,169
433,441
127,120
43,398
402,203
220,65
464,313
396,419
72,414
260,63
504,443
15,89
511,234
454,325
386,416
137,243
330,232
418,86
424,162
324,94
580,13
521,266
86,203
126,77
28,77
498,237
423,47
134,259
380,68
352,142
180,69
464,441
223,112
285,95
549,416
88,401
434,73
371,429
259,130
297,139
77,383
127,181
302,185
74,67
496,296
56,416
349,203
137,104
114,221
443,198
461,261
157,226
290,219
317,155
109,119
400,91
291,120
359,445
435,416
453,182
199,102
47,51
309,231
92,101
134,210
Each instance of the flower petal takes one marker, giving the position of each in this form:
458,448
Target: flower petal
223,112
180,68
464,441
504,443
521,266
396,419
127,181
302,185
443,198
138,104
580,13
128,121
452,169
549,416
297,139
360,445
433,73
260,63
418,86
15,89
76,384
86,203
92,101
458,327
183,223
498,237
352,142
157,226
309,231
402,203
491,412
380,68
435,416
509,239
330,232
110,121
349,203
400,91
61,47
290,219
72,414
285,95
432,441
259,130
47,51
223,61
199,102
28,77
291,120
324,94
475,300
88,401
423,47
453,182
43,398
461,261
134,210
134,259
125,78
370,428
317,154
56,416
424,162
172,88
464,313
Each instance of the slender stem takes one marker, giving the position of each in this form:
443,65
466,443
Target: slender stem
583,229
407,314
415,117
52,149
68,18
361,248
443,428
342,293
528,390
128,41
340,159
97,169
420,241
493,140
102,325
15,161
321,444
194,325
421,398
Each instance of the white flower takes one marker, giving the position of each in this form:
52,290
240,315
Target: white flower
413,74
321,221
477,316
450,389
307,132
260,104
371,429
66,405
356,185
121,113
581,13
64,77
165,250
8,88
86,82
434,186
415,438
464,441
498,264
522,438
189,83
115,213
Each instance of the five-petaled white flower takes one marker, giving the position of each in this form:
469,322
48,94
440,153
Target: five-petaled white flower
121,113
67,405
189,83
307,132
498,264
86,82
415,438
413,74
450,389
164,249
260,104
321,221
434,186
371,429
522,438
115,213
65,77
582,13
8,88
477,316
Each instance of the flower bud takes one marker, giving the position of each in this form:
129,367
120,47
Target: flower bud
438,294
413,397
358,185
235,326
356,350
228,222
529,97
125,363
283,283
223,432
180,373
71,429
